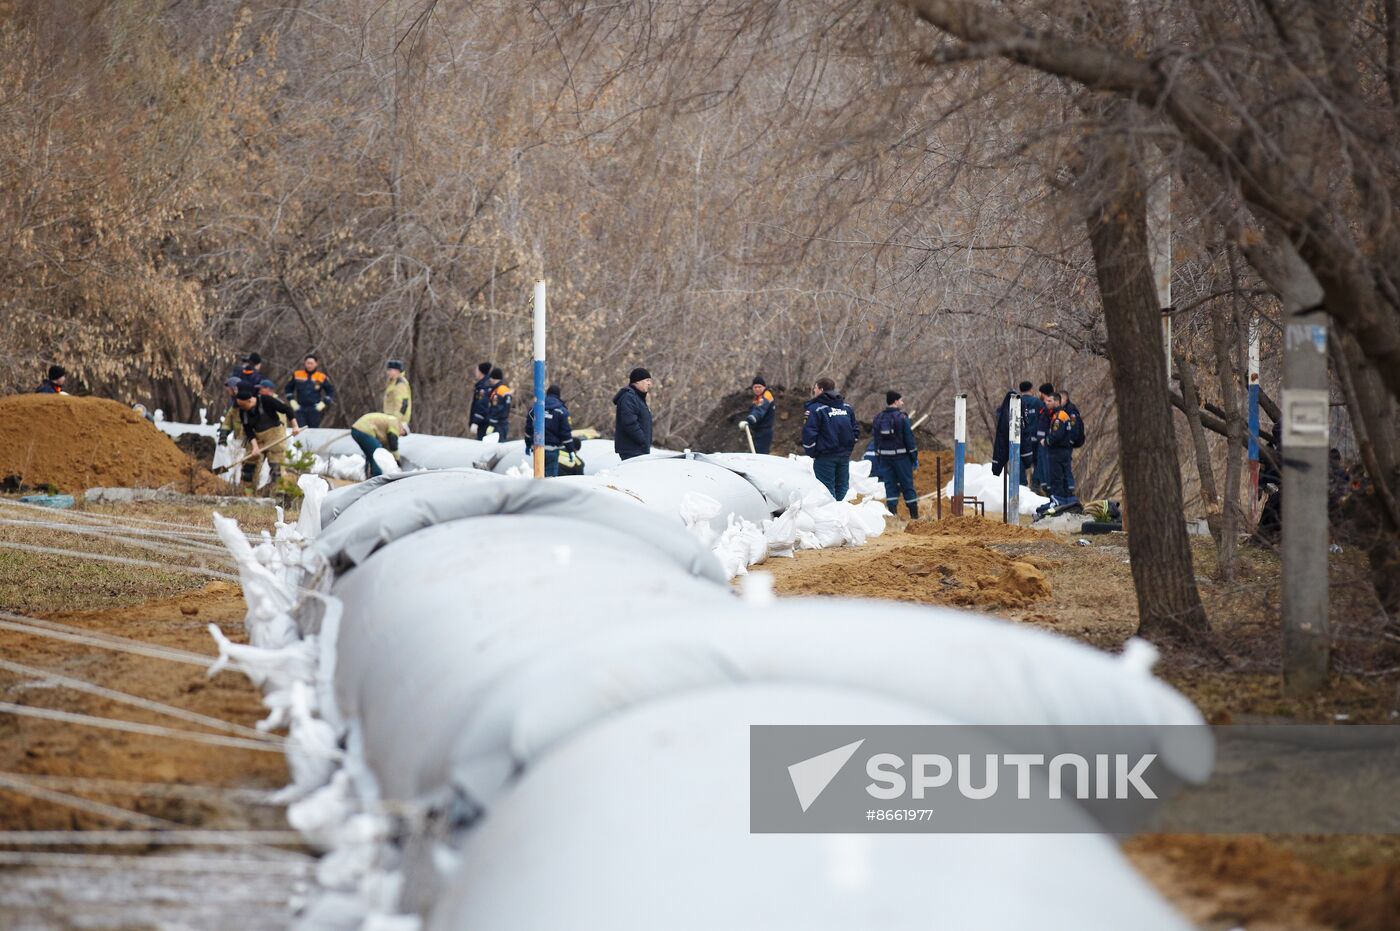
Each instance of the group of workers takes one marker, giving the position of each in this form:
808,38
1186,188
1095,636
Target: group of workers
1051,430
1051,427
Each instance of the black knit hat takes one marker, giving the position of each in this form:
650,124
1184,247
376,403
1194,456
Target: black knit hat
759,380
1047,388
637,374
553,391
483,368
253,359
497,374
56,372
395,364
246,393
892,396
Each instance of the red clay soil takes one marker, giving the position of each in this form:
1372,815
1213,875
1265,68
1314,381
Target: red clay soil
78,443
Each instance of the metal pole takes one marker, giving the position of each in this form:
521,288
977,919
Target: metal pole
538,438
1254,419
959,451
1012,504
938,480
1305,417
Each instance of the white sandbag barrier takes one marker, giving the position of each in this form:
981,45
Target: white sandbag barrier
980,483
521,704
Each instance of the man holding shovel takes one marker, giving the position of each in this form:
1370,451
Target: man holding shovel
260,415
758,423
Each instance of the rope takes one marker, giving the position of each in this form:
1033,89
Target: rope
136,701
183,837
168,538
84,804
152,789
56,631
98,517
121,560
152,864
267,745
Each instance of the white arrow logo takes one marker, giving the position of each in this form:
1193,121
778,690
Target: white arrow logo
811,776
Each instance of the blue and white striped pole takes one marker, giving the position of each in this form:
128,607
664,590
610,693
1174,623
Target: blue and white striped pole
1013,461
538,438
959,451
1253,415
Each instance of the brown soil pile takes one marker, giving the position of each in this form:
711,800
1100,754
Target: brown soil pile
80,443
929,571
976,528
35,747
1257,883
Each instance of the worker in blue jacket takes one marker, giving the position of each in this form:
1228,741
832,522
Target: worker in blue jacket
480,390
762,413
898,454
309,392
498,406
829,435
1059,451
632,429
558,432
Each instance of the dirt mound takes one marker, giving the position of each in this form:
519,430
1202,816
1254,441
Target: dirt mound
929,571
976,528
79,443
1257,882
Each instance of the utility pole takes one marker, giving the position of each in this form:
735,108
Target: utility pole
538,438
959,452
1305,537
1013,461
1253,416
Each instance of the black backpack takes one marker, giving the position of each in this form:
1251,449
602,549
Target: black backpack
1076,429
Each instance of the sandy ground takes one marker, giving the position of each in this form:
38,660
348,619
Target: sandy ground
1086,592
66,776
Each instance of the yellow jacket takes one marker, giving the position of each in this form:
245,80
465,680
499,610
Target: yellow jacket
398,399
381,427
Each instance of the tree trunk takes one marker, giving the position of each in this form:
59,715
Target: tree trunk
1225,336
1210,497
1169,606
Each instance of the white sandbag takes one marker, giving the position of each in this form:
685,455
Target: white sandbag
423,603
979,482
426,451
325,441
661,484
779,479
664,791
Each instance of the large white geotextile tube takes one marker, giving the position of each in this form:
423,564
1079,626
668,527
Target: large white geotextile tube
453,686
490,625
642,823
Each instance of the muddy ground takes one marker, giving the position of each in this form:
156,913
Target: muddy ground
67,776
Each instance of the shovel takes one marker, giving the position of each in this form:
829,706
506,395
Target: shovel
744,425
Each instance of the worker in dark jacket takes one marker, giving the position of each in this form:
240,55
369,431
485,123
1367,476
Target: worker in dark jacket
632,433
1041,483
58,376
829,435
898,454
249,371
498,400
558,432
1031,407
309,392
261,416
479,392
762,413
1059,450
